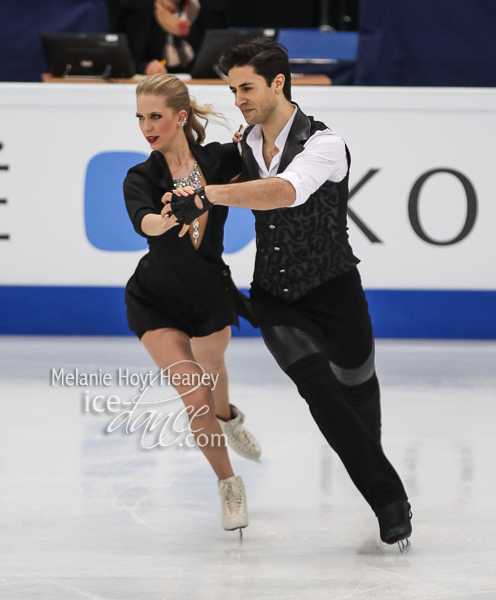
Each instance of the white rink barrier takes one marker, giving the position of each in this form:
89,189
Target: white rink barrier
422,207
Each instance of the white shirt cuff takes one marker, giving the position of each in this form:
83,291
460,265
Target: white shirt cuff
294,180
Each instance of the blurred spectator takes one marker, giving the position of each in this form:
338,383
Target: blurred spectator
156,31
136,19
176,18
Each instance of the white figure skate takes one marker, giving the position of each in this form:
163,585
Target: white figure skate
233,499
239,438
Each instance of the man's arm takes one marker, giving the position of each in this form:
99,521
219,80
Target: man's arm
262,194
323,158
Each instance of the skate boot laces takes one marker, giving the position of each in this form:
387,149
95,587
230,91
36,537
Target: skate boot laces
233,495
233,501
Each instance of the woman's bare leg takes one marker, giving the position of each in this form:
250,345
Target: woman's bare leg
168,346
209,353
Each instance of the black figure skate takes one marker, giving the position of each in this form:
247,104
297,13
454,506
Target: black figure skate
395,524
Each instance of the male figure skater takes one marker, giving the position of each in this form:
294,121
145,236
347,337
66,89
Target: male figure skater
306,293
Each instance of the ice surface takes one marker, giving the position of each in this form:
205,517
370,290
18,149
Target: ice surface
87,514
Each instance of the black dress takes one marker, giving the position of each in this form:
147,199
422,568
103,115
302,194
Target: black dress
176,285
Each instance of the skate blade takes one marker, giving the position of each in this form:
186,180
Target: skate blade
404,546
238,528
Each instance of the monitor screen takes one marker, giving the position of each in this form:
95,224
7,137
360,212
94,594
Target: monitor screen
216,43
88,55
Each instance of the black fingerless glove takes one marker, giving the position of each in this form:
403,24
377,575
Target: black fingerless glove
185,209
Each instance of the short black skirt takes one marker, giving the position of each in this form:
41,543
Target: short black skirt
199,307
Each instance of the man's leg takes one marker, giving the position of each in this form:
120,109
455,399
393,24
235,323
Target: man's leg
302,358
324,342
360,388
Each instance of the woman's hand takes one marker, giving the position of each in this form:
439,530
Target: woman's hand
187,190
237,137
170,217
154,225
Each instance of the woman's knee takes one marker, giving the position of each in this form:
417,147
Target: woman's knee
198,401
209,351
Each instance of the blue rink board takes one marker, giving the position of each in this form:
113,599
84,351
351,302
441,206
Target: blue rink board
36,310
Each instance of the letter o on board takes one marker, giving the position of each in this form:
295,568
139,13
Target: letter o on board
413,207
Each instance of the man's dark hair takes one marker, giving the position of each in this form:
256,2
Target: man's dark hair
267,57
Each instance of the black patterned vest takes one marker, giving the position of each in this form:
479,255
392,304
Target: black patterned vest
300,248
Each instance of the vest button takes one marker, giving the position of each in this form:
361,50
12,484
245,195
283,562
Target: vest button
272,226
282,270
285,290
276,248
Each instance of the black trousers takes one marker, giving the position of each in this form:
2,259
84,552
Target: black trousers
324,342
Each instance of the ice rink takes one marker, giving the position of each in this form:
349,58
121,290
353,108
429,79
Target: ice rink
91,515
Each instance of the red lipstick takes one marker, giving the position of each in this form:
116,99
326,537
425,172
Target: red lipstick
152,138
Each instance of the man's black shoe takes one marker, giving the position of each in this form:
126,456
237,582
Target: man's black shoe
395,524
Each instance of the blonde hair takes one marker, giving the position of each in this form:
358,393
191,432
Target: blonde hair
176,96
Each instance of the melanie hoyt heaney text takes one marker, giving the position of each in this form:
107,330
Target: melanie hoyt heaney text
125,377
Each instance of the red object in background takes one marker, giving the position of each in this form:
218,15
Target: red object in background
184,27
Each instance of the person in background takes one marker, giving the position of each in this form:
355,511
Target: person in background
157,32
136,18
176,17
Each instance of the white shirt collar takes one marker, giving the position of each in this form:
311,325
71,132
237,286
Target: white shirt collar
283,136
255,140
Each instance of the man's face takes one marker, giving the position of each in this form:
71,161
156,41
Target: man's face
253,96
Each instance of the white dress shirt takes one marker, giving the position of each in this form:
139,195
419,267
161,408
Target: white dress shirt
323,159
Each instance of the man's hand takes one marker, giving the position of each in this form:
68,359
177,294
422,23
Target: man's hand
188,204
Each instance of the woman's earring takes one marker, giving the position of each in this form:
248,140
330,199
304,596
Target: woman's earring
182,123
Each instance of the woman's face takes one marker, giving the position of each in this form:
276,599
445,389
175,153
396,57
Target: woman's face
158,122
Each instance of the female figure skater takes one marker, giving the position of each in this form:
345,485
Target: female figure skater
181,299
